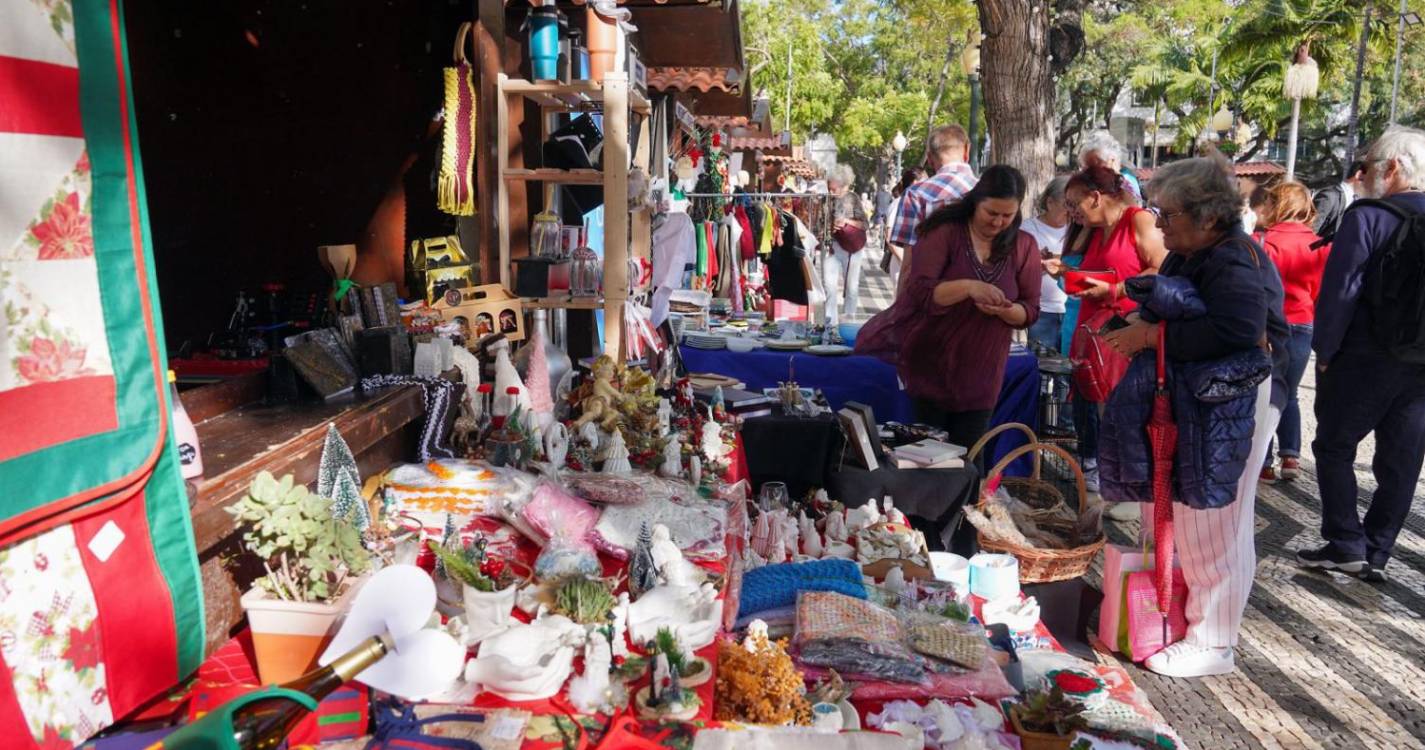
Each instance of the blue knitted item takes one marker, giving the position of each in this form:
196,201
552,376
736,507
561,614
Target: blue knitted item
772,586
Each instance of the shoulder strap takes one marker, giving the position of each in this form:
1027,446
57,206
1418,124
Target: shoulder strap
1396,209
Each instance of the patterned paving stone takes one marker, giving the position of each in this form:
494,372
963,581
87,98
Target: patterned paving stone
1326,660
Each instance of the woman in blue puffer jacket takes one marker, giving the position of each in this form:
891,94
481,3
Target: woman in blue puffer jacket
1198,209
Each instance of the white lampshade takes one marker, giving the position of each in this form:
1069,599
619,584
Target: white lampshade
1302,80
899,142
1221,121
970,59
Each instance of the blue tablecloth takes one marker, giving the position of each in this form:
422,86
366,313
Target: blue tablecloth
873,382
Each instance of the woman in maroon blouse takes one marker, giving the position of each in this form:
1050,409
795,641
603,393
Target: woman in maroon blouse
973,279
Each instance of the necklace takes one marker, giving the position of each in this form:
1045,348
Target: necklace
987,274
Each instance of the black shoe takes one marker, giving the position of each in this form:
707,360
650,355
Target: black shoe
1374,574
1326,557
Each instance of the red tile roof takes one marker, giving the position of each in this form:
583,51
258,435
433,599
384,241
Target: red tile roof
690,79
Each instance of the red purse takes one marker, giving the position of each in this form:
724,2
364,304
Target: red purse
1097,367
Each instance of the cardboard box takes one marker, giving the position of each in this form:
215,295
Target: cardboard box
483,310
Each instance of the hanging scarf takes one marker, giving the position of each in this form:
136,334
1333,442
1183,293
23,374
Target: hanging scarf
456,189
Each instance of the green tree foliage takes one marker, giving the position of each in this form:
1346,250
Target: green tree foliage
861,70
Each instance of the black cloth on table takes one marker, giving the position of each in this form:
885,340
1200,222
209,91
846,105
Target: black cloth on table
934,499
797,450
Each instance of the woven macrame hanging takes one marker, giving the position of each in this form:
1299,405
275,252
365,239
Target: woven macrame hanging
455,192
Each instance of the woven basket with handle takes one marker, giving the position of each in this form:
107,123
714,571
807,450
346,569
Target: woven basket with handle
1036,564
1033,490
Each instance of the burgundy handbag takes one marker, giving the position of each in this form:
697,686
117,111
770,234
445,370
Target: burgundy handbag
850,238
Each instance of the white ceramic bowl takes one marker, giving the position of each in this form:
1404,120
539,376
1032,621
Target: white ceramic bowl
740,345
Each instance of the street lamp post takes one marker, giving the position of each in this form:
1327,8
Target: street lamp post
1405,19
1301,82
970,63
898,143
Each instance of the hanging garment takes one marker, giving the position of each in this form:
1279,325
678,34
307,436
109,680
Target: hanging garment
746,239
726,261
700,269
674,247
769,229
785,279
710,231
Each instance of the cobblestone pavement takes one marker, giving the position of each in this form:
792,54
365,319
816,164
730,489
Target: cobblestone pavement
1326,660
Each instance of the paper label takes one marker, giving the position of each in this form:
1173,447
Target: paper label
507,728
108,539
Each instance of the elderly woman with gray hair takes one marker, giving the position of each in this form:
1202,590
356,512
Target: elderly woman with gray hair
848,239
1218,299
1100,148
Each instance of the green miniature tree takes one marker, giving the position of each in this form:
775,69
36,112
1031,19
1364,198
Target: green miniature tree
336,459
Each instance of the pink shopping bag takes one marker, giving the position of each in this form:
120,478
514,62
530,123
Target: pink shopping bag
1141,631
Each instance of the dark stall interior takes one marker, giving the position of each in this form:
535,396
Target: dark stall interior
269,127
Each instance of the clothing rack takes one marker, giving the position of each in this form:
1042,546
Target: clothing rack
823,222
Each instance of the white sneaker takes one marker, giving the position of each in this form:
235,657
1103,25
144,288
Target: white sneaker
1091,482
1187,659
1125,511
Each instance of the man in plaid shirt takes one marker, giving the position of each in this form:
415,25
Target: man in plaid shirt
949,151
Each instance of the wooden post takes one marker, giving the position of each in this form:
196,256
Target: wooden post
489,52
615,210
642,231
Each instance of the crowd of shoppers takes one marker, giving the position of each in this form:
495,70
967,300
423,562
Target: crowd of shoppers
1246,312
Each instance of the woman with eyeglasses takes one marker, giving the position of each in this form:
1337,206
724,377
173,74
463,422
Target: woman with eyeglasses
1232,306
1116,235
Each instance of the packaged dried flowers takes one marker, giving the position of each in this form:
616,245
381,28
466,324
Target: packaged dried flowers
757,682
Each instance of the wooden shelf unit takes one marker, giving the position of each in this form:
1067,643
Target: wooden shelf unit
620,224
570,96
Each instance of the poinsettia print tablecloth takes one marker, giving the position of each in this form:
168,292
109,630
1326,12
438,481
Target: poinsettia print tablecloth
54,352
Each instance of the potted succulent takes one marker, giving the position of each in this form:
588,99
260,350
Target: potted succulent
1047,720
313,562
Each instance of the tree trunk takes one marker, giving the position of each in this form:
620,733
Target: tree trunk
1019,88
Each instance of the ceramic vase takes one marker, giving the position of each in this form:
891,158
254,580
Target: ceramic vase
487,613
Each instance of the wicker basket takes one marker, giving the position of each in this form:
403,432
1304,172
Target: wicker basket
1033,490
1038,565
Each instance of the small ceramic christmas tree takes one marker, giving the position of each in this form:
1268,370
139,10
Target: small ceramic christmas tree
642,575
336,457
445,541
347,503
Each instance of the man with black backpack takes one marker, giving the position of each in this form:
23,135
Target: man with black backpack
1370,358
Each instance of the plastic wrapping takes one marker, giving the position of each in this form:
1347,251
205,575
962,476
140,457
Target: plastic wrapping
696,525
564,523
855,637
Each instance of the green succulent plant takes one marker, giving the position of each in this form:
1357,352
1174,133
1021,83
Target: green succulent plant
306,552
584,600
1051,712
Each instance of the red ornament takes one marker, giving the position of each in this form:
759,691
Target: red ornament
716,140
492,567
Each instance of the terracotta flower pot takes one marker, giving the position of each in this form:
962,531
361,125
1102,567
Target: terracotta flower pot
1038,740
287,637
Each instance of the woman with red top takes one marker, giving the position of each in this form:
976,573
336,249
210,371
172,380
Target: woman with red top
973,278
1300,256
1115,235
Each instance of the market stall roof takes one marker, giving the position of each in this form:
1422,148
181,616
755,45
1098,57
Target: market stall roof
1244,169
779,142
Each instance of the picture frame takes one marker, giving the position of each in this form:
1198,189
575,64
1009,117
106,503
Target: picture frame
858,440
868,417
